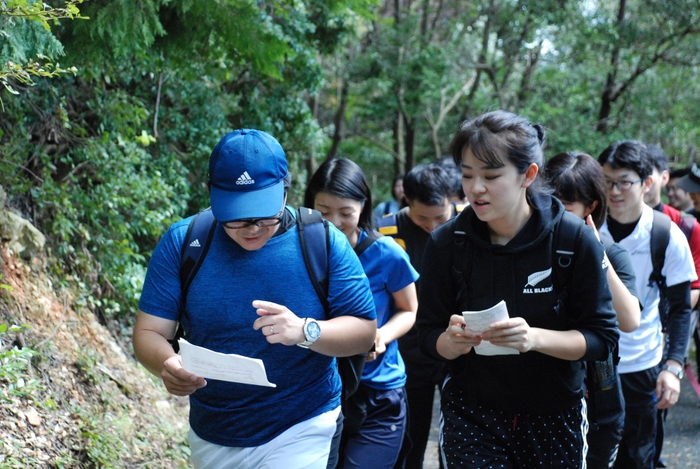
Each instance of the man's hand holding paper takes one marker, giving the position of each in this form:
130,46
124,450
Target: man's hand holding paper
179,381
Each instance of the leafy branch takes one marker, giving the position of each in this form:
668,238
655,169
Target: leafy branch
24,73
40,11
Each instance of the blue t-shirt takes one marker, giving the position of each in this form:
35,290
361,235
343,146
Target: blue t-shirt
220,317
389,270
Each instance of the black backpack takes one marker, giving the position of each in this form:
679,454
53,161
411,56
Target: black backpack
659,238
315,244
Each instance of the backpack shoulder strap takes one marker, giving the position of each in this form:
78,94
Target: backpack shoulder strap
315,244
387,225
387,208
567,234
660,236
687,224
461,259
658,241
365,243
194,249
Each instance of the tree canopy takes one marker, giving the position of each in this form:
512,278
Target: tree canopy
110,108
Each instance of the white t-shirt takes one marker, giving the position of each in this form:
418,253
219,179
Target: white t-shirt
643,348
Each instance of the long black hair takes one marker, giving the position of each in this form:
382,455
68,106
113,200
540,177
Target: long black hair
342,178
577,177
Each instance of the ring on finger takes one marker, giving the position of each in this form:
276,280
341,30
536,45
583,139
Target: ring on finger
272,330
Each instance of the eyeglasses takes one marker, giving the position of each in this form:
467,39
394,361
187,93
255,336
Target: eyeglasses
621,185
259,222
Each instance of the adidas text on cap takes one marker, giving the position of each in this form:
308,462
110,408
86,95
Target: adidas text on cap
247,169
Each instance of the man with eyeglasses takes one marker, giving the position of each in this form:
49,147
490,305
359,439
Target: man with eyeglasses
649,381
253,296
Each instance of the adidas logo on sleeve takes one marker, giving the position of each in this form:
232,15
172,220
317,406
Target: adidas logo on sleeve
245,179
195,244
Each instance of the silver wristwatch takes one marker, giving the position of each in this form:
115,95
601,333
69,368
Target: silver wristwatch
312,331
676,370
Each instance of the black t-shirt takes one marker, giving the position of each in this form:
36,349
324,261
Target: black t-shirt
620,231
414,237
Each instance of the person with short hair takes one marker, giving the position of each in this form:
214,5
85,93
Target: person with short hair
650,379
688,224
457,197
677,197
253,296
428,189
691,184
376,413
524,408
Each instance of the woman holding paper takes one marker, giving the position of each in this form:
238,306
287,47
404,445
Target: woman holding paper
523,409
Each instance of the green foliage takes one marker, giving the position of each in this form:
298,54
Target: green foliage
104,162
104,437
105,175
14,363
40,12
27,47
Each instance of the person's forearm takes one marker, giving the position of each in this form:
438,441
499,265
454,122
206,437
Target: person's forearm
694,296
344,336
399,324
566,345
626,306
152,349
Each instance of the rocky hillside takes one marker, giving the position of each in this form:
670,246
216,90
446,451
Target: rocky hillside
70,395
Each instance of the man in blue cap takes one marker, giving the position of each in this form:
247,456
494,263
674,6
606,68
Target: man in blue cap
252,296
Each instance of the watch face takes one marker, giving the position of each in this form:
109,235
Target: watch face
313,330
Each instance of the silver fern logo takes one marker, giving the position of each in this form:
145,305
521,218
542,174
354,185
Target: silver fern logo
535,278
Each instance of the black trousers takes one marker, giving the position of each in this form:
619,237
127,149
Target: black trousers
637,445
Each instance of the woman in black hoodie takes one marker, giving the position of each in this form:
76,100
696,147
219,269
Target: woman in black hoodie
524,408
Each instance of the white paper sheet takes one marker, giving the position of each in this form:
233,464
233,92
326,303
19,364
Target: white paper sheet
478,321
225,367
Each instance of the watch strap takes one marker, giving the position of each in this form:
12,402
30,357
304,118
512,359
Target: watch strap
676,370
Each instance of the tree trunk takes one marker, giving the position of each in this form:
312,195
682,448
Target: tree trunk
609,95
481,66
409,144
399,167
339,120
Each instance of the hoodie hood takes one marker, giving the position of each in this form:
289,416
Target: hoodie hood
546,212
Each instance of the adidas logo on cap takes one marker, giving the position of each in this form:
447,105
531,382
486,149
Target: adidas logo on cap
195,244
245,179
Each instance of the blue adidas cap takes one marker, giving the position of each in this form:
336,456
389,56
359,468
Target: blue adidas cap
247,169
